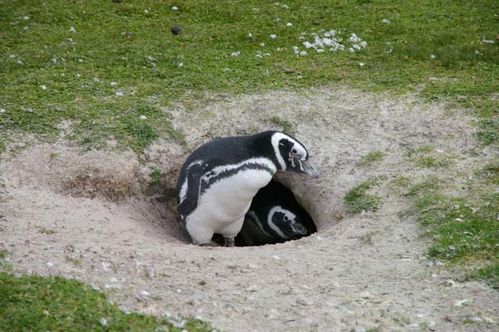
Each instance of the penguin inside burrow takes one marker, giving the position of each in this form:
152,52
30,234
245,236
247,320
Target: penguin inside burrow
219,179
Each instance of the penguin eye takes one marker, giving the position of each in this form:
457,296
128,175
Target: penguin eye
294,151
286,218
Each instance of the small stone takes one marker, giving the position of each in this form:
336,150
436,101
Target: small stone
49,264
144,293
252,288
462,303
103,322
176,30
305,302
365,295
119,93
450,283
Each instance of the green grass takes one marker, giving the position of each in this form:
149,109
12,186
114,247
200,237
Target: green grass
464,230
116,75
286,126
358,200
371,158
56,304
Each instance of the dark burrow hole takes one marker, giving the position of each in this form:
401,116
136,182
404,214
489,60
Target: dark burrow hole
275,216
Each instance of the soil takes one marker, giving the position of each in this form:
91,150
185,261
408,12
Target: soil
93,216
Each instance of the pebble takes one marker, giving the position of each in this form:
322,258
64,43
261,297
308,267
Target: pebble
103,322
462,303
305,302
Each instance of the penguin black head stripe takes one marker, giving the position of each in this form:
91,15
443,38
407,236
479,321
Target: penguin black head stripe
219,179
274,217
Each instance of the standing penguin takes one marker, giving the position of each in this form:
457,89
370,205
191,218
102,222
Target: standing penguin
274,217
220,178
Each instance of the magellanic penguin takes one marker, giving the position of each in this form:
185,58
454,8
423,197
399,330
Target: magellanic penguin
274,217
220,178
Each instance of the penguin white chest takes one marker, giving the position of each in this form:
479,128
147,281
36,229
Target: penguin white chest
221,208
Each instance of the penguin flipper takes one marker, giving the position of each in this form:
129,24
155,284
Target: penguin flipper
191,198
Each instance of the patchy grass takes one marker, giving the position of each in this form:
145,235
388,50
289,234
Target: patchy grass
109,70
286,126
58,304
464,230
358,200
425,156
370,158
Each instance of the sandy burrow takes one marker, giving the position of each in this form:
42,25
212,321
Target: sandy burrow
86,216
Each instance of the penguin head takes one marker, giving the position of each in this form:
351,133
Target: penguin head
286,224
292,155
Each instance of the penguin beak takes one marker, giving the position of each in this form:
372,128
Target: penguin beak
307,168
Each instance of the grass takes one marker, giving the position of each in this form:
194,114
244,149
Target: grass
110,70
58,304
464,229
286,126
358,200
371,158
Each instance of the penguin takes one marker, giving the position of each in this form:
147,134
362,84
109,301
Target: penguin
274,217
219,179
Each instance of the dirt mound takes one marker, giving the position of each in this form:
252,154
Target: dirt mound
93,216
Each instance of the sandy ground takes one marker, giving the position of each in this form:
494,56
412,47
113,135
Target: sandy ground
90,216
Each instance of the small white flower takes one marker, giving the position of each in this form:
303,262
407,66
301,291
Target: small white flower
119,93
43,87
25,18
26,28
72,29
362,64
262,44
303,53
235,54
181,64
319,50
2,110
351,50
296,50
174,8
113,83
289,24
273,36
284,6
80,60
386,21
433,56
363,44
146,11
250,35
143,117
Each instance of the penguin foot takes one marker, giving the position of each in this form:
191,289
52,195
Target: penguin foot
229,241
